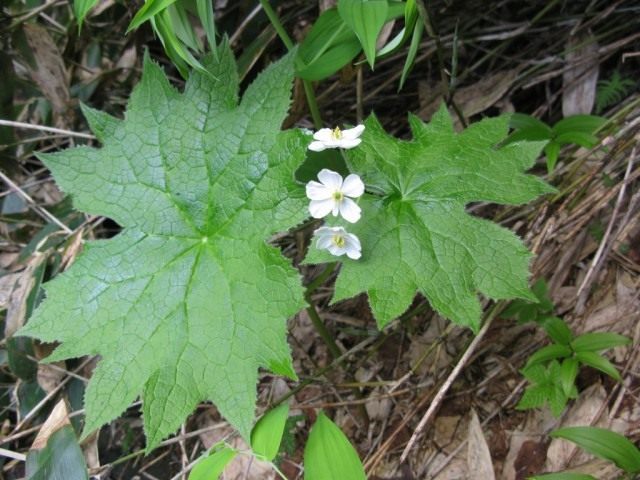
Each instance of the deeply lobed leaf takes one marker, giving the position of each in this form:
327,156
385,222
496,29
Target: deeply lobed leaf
189,300
415,233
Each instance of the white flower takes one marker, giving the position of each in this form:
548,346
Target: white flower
338,241
336,138
332,194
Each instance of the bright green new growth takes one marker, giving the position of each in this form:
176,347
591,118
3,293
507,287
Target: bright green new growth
189,300
415,233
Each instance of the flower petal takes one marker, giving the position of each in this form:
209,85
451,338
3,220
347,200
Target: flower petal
323,135
353,253
352,246
350,210
349,143
330,179
317,191
336,250
321,208
352,186
324,241
317,146
353,133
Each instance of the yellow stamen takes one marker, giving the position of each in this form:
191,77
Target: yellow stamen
339,240
337,133
338,196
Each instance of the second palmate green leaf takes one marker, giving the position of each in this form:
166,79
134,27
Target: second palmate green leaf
416,235
189,300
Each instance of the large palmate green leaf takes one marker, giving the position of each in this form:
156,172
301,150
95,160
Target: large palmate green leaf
188,300
415,233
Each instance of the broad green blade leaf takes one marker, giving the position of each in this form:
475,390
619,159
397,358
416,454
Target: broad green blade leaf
586,140
416,37
416,235
604,444
189,300
551,150
521,121
547,353
598,341
150,9
528,134
557,329
365,18
328,455
568,374
206,15
579,123
328,47
267,433
598,362
176,50
81,8
563,476
212,466
55,453
60,459
181,25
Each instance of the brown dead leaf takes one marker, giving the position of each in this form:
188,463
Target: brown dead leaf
472,99
17,306
524,440
58,418
7,282
580,78
45,65
478,455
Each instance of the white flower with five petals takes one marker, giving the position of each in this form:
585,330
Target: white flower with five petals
334,195
338,241
336,138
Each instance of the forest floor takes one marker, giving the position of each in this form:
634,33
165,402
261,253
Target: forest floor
546,59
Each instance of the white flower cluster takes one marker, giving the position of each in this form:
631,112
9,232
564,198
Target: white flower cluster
333,194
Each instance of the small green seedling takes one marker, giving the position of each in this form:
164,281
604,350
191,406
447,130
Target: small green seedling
577,129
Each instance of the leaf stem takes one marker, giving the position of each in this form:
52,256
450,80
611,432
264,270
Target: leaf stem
286,39
320,279
318,324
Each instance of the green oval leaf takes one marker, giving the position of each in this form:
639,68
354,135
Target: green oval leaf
328,455
568,374
267,433
557,329
148,10
328,47
579,123
547,353
598,362
365,18
60,459
212,466
605,444
598,341
81,8
563,476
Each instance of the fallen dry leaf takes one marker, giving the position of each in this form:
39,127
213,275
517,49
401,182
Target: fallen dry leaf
478,455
